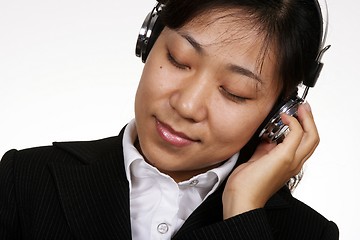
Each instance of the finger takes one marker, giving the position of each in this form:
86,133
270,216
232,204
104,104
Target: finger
310,139
294,137
297,145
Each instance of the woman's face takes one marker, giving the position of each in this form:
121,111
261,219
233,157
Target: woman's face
202,95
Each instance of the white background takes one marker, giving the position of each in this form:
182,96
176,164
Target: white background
68,72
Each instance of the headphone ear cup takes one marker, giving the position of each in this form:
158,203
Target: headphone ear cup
149,32
273,129
155,32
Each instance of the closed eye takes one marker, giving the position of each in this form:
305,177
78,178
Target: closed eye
232,97
175,63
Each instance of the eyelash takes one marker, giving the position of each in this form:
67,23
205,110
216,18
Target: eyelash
233,97
175,63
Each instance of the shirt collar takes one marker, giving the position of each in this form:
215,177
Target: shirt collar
130,152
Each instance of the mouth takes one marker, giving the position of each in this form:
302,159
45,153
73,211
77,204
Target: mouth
171,136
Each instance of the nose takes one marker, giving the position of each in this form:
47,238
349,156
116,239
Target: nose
190,100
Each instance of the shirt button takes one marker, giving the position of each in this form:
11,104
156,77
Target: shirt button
163,228
193,183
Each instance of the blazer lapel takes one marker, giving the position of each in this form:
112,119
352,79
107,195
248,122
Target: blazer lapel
210,211
94,191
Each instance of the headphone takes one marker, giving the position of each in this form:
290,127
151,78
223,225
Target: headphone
272,129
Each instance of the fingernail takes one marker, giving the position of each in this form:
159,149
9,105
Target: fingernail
307,106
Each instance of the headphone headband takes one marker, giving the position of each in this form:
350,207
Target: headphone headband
324,17
322,9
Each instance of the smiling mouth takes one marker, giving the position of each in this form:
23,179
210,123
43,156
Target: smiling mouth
171,136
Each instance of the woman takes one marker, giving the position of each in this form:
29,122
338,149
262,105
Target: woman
191,164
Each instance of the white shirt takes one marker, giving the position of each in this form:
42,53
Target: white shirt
158,205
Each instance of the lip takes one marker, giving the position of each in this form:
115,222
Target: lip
171,136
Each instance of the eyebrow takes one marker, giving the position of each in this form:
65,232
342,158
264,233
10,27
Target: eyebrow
232,67
244,71
193,42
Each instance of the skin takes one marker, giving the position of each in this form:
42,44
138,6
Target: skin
200,99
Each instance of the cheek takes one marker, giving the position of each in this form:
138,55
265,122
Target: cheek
239,123
236,128
147,86
156,77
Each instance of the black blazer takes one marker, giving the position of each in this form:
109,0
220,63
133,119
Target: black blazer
79,190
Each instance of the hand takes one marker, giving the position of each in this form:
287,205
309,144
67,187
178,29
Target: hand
252,183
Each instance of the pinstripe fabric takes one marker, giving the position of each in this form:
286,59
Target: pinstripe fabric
78,190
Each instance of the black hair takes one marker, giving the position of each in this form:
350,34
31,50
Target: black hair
292,27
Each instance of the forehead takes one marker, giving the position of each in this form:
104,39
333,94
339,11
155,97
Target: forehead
233,35
235,25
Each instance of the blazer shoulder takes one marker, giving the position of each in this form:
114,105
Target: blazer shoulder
73,153
32,166
90,151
